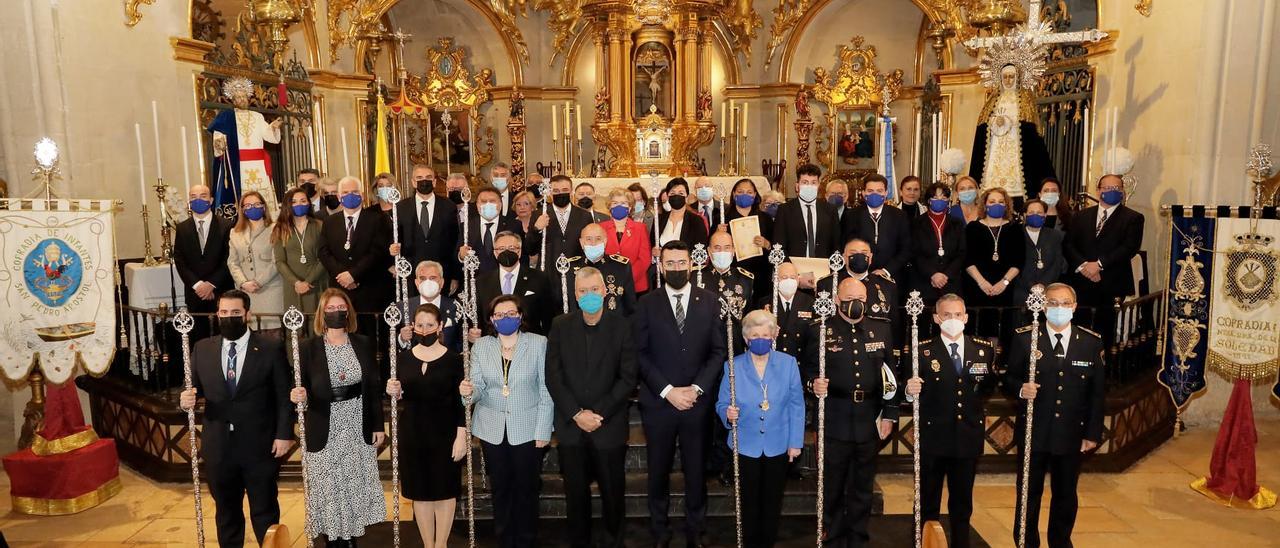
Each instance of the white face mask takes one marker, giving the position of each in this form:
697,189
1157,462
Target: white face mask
952,327
429,288
788,286
721,259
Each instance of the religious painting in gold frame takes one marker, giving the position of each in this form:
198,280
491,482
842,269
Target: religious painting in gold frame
855,96
451,93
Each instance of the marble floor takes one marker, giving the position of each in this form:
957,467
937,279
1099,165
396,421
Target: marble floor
1147,506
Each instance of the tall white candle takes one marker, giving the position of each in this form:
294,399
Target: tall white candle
346,160
1084,154
723,122
155,128
142,174
744,118
1115,137
733,119
568,120
186,162
937,145
555,122
915,145
579,113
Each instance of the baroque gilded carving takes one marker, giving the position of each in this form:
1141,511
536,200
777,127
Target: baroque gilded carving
563,19
742,20
856,83
785,16
133,11
448,83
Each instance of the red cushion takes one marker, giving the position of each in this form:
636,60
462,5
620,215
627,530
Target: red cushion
62,476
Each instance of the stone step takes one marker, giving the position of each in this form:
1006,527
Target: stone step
637,453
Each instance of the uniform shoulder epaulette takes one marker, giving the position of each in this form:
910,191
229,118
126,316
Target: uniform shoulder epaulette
746,273
926,341
1089,331
885,275
620,258
982,341
1023,329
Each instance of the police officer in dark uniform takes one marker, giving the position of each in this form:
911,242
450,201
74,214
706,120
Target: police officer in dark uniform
957,374
1070,393
882,290
861,411
720,274
619,286
795,314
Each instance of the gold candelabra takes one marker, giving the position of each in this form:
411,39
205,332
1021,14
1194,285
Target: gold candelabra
167,224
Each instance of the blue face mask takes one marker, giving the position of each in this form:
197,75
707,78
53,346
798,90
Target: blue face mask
1112,197
384,193
1035,220
301,210
200,206
760,346
771,210
706,193
489,210
835,200
619,212
744,200
500,183
591,302
968,196
255,213
351,201
995,211
938,205
1059,315
507,326
593,252
874,200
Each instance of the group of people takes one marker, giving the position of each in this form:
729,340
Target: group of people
722,359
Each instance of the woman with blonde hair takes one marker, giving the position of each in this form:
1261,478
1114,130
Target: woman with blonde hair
344,419
295,242
627,237
251,259
383,184
994,252
967,208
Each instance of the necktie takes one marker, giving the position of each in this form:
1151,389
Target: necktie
203,234
508,284
1057,346
707,209
424,219
786,308
1102,221
351,228
875,218
487,241
679,312
810,233
231,369
955,358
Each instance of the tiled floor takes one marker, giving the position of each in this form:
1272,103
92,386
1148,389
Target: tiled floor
1148,506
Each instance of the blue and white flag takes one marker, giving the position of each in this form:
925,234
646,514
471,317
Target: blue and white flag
884,161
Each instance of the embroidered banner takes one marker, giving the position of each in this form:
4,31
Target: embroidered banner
1190,268
58,287
1244,327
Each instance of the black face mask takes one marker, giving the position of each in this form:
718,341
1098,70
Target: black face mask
424,186
330,201
852,310
310,189
858,263
455,196
336,319
508,258
232,327
677,278
561,200
585,202
676,201
426,340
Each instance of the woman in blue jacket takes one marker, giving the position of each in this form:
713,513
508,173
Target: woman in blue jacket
770,414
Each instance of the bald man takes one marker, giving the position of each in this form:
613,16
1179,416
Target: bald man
619,285
200,253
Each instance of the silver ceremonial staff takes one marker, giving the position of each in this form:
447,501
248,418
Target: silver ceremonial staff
562,266
1035,303
824,306
183,323
915,306
699,258
731,309
467,309
393,318
402,291
545,190
654,190
293,321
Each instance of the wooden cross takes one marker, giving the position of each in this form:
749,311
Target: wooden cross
1038,32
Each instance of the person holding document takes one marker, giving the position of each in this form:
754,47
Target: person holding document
748,224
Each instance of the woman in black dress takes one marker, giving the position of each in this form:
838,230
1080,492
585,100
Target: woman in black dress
994,254
433,438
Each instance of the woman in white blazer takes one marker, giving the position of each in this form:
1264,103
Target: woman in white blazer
512,417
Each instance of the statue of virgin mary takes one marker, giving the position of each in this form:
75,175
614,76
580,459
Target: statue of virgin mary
1008,151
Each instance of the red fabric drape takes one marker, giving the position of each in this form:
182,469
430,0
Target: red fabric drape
1233,468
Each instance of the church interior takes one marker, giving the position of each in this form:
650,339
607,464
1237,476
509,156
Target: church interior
1178,99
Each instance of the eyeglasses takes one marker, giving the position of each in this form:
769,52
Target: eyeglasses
1056,303
513,314
502,248
675,265
1110,188
335,309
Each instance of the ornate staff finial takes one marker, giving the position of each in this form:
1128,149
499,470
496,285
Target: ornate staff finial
836,262
293,318
183,322
915,304
562,264
776,255
699,256
471,261
824,306
404,268
1035,301
392,315
1260,164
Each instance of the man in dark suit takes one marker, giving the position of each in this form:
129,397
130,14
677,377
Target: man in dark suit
1101,240
862,410
326,202
585,197
591,371
957,374
1069,418
619,285
837,194
200,253
882,292
681,346
248,420
806,226
885,227
562,225
706,204
429,281
428,226
483,225
511,278
354,250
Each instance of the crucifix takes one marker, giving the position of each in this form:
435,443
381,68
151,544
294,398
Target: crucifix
1037,33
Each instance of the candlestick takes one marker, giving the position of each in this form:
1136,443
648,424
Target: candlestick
578,111
567,119
915,145
155,128
186,162
1084,154
723,125
744,119
346,160
555,123
1115,137
142,176
733,119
